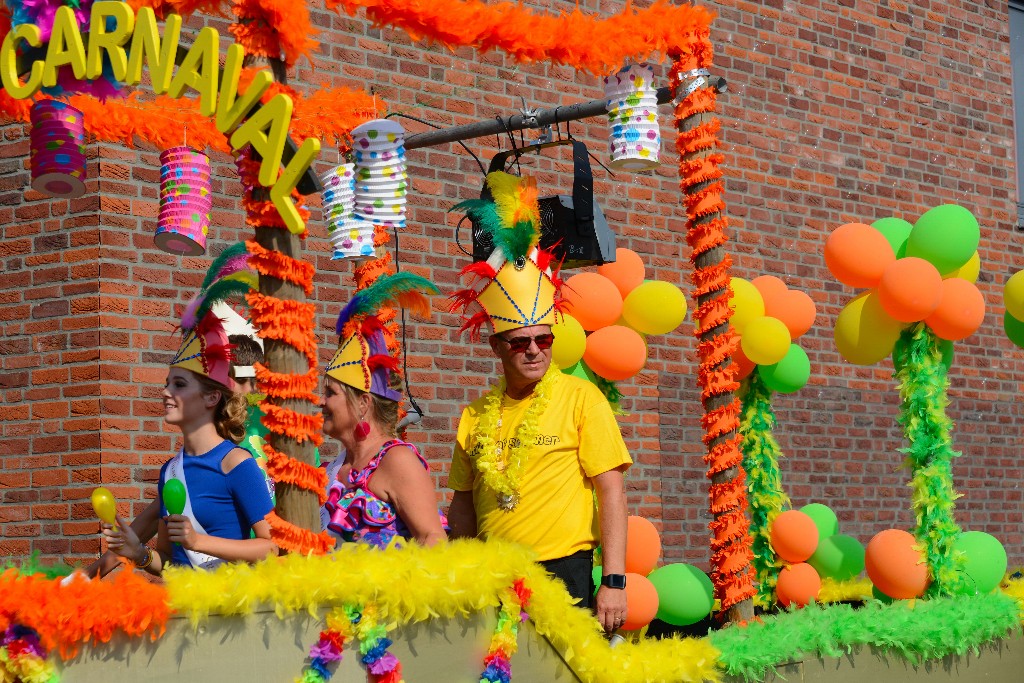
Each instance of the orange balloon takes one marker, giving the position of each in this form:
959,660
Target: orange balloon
894,565
643,546
745,366
615,352
858,254
798,584
641,602
770,287
960,312
910,289
627,272
794,308
593,300
794,536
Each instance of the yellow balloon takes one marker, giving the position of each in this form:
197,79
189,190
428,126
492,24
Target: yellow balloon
1013,295
104,504
765,340
654,307
968,271
570,342
864,332
746,304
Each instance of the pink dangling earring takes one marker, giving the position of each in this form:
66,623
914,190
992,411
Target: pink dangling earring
362,430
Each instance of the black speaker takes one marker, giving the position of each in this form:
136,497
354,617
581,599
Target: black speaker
572,227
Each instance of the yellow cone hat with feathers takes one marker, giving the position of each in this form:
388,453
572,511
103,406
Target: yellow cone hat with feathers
515,287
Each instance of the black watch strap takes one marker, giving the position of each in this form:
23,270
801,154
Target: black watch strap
617,581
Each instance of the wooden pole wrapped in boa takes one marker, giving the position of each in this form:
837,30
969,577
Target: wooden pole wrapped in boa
700,180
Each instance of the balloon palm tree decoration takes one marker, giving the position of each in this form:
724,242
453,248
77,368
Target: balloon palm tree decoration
768,316
921,298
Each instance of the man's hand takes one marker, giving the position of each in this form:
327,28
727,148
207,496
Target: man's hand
611,608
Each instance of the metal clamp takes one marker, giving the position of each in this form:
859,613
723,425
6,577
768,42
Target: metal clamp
529,115
697,78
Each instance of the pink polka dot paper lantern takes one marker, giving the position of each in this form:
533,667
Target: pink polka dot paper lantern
57,153
185,201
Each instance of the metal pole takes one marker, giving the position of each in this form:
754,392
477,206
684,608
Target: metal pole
502,124
541,119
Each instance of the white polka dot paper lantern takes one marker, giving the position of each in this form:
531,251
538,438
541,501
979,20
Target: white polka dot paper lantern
185,202
381,180
631,100
57,152
351,237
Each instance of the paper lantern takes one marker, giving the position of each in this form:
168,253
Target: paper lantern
57,153
381,181
185,201
351,236
631,100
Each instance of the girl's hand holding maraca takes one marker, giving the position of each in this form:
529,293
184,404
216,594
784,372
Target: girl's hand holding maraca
123,541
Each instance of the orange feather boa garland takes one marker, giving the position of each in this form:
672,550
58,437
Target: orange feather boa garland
291,323
700,179
597,45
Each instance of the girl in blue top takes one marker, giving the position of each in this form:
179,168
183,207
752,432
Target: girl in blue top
226,494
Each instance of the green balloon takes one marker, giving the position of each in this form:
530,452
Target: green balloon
946,236
1014,329
597,572
789,374
881,597
839,557
685,594
580,369
824,519
984,561
174,496
896,231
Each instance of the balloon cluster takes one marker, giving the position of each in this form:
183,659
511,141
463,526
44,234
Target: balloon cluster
678,594
768,317
1013,318
897,568
809,540
923,272
609,312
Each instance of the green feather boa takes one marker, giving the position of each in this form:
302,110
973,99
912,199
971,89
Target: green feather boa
766,497
924,396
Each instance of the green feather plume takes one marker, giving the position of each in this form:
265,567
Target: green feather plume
403,289
221,290
234,251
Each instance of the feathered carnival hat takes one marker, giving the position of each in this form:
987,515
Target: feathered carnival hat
516,286
362,360
204,346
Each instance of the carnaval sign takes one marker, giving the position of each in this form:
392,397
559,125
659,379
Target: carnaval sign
114,26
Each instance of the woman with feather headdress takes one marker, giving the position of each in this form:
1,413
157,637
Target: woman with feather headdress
220,515
382,493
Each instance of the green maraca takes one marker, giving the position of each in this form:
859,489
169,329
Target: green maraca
174,496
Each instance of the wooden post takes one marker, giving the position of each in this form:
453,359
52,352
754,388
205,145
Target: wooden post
294,505
700,179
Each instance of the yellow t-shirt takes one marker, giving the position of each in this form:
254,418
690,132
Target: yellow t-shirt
579,439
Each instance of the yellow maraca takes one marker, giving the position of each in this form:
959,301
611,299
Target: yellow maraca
105,505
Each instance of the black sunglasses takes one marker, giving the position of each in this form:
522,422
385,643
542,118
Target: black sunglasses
522,344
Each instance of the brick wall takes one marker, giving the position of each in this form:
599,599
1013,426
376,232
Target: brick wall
836,112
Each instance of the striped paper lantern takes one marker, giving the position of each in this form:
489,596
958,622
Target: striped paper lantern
185,202
57,154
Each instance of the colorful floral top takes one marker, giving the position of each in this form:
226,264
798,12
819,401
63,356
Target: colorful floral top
356,514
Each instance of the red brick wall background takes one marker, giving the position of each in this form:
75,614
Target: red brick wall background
836,112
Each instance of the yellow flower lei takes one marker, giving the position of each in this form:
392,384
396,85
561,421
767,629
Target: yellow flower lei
502,474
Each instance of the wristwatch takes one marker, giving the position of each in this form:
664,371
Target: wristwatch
617,581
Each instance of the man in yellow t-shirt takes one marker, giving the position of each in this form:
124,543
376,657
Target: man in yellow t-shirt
577,450
533,452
